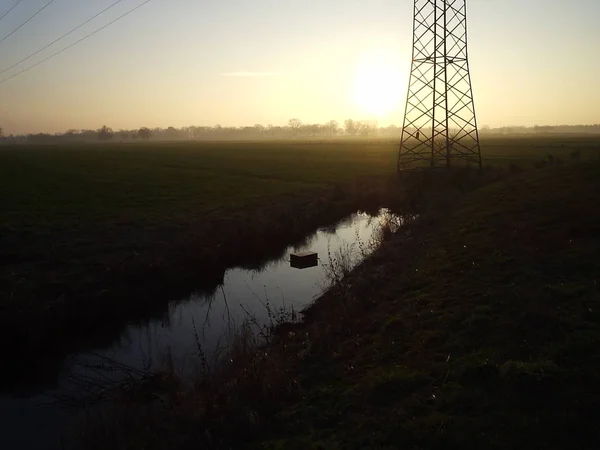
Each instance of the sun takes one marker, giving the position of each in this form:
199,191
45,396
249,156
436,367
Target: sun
379,84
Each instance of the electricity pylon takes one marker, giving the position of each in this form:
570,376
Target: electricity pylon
440,126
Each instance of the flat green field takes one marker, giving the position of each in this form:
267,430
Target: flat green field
137,183
164,182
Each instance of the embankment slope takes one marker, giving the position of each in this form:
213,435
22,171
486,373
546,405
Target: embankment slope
480,328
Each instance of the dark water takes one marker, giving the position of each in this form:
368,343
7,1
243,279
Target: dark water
36,421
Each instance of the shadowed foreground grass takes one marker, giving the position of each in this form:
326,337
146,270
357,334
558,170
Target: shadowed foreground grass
477,327
485,337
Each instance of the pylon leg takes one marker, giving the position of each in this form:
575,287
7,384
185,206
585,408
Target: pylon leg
440,125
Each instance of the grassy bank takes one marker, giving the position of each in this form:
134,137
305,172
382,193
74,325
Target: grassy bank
475,328
484,338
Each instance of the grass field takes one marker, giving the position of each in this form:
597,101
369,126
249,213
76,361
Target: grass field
159,183
477,327
151,183
86,231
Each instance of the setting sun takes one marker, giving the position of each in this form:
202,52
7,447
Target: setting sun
379,82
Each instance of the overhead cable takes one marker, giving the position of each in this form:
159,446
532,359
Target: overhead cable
60,38
75,43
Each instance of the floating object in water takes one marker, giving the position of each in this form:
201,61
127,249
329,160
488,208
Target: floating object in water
304,260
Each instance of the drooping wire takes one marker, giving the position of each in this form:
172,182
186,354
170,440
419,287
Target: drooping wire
75,43
27,21
11,8
60,38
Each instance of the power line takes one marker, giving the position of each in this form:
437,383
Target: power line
8,12
75,43
60,38
24,23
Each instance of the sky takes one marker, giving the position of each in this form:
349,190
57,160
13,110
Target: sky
241,62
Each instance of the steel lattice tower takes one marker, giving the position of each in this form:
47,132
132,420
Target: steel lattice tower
439,121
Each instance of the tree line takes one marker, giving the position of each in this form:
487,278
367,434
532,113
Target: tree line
294,129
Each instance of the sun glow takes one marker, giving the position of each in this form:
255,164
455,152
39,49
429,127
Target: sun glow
379,85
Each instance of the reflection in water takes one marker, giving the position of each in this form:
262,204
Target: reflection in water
275,283
204,319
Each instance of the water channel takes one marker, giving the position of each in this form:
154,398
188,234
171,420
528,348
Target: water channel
35,421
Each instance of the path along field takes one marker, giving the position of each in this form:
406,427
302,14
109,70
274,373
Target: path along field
76,220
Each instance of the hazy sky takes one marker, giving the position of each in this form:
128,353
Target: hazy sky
241,62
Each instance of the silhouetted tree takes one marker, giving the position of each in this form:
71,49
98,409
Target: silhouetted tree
88,134
293,129
105,133
144,133
123,135
171,132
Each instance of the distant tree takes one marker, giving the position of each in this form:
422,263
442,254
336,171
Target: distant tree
310,129
171,133
39,138
368,128
359,128
332,127
318,130
144,133
105,133
1,132
88,134
295,125
351,127
259,129
192,132
123,135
